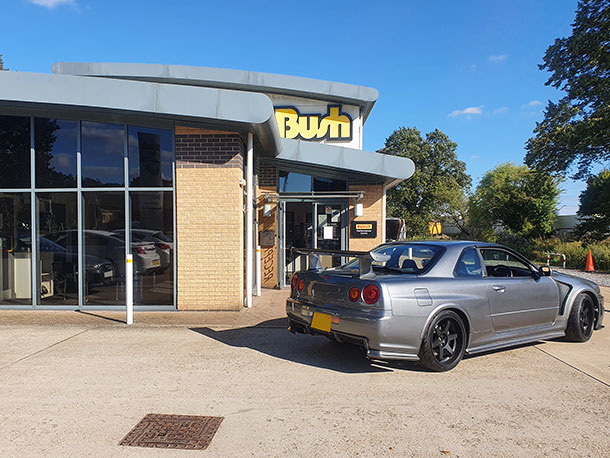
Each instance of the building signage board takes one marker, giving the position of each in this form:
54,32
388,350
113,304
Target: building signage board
363,229
334,125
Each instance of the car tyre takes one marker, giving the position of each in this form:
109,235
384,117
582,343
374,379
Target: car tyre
444,342
582,319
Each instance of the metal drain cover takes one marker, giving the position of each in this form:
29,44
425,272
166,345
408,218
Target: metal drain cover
173,431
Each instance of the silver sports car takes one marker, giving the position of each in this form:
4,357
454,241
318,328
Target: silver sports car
433,302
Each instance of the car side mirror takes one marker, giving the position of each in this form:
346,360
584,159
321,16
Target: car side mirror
545,271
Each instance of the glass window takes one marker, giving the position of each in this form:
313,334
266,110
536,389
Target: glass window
329,184
104,248
55,142
294,182
14,152
500,263
404,258
58,265
102,154
152,247
15,249
151,154
469,264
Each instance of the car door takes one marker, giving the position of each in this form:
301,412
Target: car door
517,297
470,286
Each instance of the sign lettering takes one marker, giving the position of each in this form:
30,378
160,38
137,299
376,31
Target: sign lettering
334,125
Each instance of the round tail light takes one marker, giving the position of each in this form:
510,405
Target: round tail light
371,294
293,282
301,285
354,294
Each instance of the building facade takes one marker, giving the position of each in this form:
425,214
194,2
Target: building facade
187,169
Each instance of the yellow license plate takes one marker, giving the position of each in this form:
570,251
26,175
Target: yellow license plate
156,262
321,321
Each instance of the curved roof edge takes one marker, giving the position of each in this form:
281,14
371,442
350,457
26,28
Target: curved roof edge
391,169
235,109
224,78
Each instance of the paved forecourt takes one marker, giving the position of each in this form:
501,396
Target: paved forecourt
77,389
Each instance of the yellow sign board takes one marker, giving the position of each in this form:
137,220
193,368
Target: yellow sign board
364,226
334,125
435,228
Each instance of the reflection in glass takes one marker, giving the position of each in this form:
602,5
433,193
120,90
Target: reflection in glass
102,154
14,152
104,214
151,154
15,249
152,246
57,249
294,182
55,142
329,184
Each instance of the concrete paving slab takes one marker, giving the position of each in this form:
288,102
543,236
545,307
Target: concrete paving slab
286,395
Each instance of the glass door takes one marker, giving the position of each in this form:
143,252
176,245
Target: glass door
310,225
330,232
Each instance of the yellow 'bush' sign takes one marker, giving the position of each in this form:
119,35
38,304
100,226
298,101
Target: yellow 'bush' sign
334,125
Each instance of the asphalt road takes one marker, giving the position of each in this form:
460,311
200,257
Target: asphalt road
77,391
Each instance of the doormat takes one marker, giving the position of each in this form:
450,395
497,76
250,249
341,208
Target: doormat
186,432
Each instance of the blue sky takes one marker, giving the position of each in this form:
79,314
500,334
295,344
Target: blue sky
469,68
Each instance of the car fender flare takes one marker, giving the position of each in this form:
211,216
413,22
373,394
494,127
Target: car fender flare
572,298
448,306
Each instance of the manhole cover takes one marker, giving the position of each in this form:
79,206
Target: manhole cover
173,431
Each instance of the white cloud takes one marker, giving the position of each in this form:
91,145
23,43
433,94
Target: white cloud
473,67
498,58
500,111
466,111
532,104
475,156
52,3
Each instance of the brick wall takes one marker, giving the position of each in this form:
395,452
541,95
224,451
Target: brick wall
267,177
373,211
209,217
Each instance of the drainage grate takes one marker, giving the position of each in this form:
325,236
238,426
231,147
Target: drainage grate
173,431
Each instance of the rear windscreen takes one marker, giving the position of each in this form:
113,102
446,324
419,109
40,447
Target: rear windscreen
407,258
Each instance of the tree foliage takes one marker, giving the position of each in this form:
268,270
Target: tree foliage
436,189
522,201
595,207
576,130
2,64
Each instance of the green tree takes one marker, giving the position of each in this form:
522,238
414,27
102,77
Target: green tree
439,183
522,201
576,130
2,64
595,207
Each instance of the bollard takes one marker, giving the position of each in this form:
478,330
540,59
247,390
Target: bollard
129,287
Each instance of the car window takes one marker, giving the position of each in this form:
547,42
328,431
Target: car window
469,264
500,263
407,258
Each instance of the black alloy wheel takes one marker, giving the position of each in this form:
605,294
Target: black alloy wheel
582,319
444,342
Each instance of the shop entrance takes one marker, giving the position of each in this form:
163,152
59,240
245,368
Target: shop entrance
319,224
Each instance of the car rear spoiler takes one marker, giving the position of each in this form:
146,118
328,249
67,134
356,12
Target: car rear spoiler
365,258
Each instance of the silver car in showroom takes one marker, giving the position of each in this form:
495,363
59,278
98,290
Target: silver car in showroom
433,302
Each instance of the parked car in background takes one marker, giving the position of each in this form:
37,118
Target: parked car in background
433,302
163,244
110,246
64,265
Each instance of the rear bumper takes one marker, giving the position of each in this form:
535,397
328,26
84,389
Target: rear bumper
367,329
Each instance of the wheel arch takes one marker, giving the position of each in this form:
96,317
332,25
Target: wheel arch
596,304
453,308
